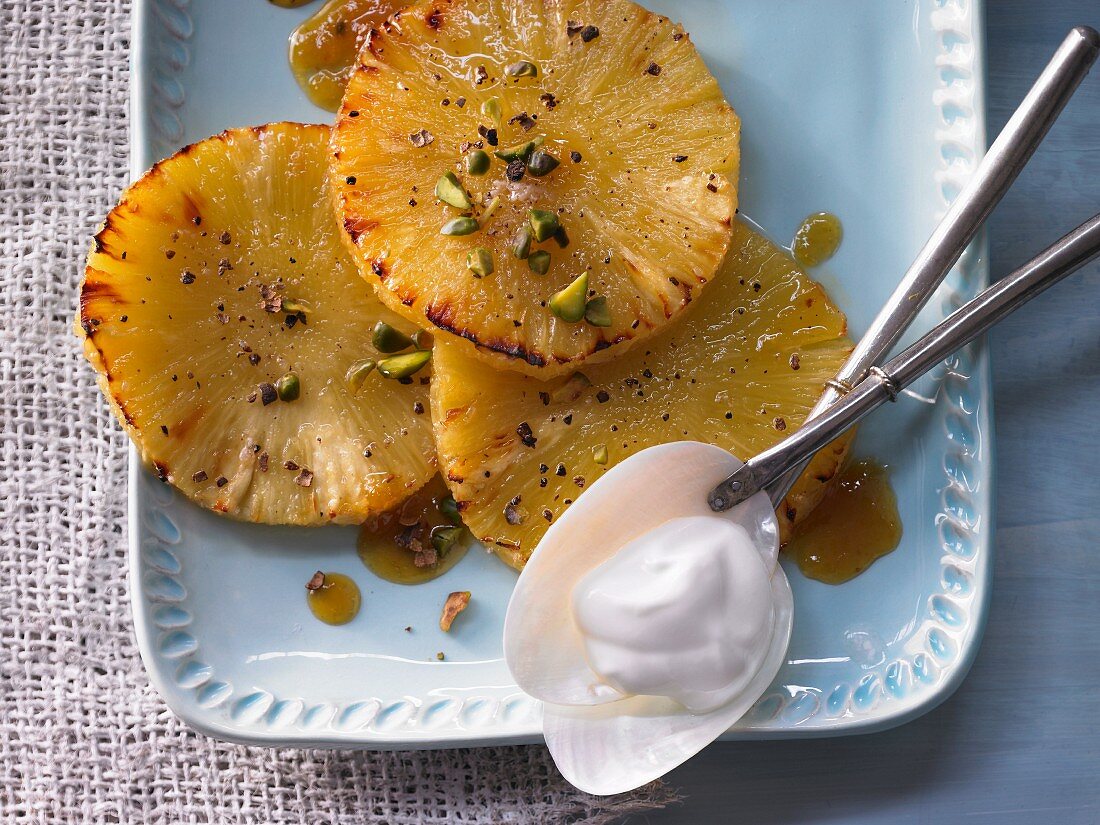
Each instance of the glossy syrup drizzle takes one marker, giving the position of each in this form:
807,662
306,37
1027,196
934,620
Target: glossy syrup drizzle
856,523
337,601
817,239
380,538
324,47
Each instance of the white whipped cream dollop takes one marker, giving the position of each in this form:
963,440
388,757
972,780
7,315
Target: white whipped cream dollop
685,610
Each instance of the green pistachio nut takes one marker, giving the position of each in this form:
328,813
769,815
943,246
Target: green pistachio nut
289,387
449,190
541,163
479,261
460,226
491,109
478,162
539,261
444,538
596,312
544,223
569,304
389,339
449,508
403,366
521,246
357,374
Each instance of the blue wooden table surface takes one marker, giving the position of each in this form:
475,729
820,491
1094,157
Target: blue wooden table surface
1018,742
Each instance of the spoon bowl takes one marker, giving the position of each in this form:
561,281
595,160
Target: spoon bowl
542,645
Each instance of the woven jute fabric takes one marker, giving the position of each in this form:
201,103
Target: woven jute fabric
83,736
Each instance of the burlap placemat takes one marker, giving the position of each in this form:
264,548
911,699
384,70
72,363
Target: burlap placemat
83,736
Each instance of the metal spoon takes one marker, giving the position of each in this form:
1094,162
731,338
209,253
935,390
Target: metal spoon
884,383
1001,165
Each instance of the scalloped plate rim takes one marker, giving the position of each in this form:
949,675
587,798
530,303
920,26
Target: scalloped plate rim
880,718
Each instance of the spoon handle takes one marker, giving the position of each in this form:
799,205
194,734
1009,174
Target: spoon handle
883,384
1001,165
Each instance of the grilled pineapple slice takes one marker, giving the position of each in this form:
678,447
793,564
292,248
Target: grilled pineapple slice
219,273
465,115
740,370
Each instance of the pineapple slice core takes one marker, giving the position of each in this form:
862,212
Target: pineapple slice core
740,370
219,273
647,152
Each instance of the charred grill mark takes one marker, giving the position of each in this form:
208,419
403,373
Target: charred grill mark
94,292
603,343
434,19
161,469
378,267
111,230
99,291
356,227
372,41
442,317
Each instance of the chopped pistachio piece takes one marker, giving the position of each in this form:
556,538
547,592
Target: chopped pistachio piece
456,603
289,387
541,163
490,208
449,190
292,307
357,374
449,508
597,313
478,162
491,109
444,538
571,390
402,366
599,454
522,68
479,261
539,261
561,237
460,226
544,223
389,339
521,246
521,151
569,304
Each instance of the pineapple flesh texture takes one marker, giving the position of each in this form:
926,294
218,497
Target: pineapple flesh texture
171,318
741,370
646,206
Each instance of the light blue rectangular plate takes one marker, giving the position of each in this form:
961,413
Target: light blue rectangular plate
872,110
